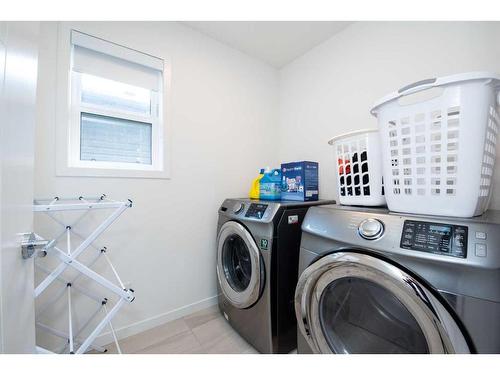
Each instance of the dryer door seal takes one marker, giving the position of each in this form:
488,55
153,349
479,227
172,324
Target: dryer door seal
350,302
238,265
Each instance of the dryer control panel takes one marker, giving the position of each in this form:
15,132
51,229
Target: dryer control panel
256,210
437,238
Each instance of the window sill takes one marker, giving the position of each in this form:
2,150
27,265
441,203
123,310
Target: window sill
113,173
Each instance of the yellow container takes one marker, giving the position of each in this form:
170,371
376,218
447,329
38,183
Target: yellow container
255,188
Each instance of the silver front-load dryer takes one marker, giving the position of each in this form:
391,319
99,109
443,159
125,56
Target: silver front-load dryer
257,269
372,281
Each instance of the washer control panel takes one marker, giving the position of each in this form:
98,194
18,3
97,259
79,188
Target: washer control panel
437,238
256,210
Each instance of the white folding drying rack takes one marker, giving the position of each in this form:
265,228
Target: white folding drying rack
69,258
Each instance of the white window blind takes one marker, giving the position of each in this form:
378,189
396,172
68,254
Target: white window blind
101,58
116,106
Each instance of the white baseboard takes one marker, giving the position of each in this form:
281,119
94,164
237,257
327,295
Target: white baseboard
155,321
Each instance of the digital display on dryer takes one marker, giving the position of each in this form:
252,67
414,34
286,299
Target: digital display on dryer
435,238
440,229
256,210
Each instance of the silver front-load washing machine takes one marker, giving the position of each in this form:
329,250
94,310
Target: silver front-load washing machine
257,269
372,281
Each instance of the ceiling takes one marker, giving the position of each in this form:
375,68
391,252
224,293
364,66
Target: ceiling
274,42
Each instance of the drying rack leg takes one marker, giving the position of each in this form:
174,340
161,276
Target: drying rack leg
70,322
100,326
118,349
85,325
64,336
113,269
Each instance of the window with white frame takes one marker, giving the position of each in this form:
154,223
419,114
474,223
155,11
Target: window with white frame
116,107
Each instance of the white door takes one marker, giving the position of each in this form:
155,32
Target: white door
18,77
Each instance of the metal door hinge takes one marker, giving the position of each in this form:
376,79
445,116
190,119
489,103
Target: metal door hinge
32,246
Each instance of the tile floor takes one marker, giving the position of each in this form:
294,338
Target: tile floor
205,331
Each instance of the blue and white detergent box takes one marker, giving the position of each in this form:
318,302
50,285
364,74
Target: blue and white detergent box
300,181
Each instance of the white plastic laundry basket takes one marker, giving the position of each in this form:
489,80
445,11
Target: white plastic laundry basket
359,168
438,152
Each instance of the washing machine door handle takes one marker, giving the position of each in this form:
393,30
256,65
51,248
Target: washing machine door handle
302,304
441,331
301,313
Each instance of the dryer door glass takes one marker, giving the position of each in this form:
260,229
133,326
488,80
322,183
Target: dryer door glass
351,302
236,262
360,316
240,270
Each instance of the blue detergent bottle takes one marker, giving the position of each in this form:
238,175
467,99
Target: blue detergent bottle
270,185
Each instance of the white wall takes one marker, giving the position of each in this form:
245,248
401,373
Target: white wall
230,117
330,89
224,115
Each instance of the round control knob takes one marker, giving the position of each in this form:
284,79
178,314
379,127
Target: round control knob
238,207
371,229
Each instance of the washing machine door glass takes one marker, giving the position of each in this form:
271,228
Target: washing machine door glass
239,265
236,262
350,302
360,316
